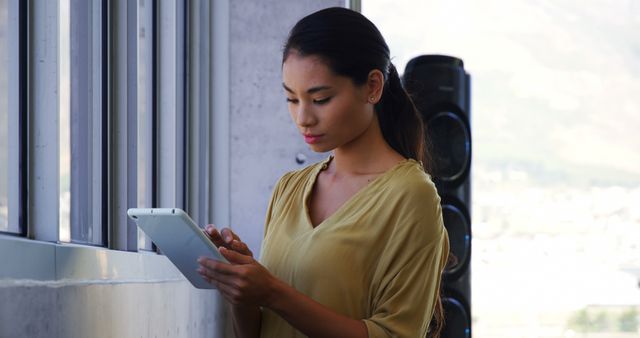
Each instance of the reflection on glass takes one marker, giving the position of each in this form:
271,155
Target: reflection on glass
4,117
145,118
64,109
86,193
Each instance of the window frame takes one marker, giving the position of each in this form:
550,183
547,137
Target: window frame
170,103
198,112
49,259
17,190
23,85
186,169
97,9
147,124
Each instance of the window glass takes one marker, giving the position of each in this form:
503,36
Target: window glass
64,121
85,186
556,166
145,114
4,117
11,175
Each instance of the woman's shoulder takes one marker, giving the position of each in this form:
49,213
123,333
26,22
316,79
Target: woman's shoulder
413,182
412,198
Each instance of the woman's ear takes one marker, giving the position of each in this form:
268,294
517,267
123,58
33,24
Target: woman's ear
375,86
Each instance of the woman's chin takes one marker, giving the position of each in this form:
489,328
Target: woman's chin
319,148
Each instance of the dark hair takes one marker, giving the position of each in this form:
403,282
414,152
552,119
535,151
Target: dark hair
352,46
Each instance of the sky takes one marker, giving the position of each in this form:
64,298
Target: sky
554,83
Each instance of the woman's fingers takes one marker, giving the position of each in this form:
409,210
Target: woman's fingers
228,239
244,281
216,278
214,235
224,237
217,274
228,236
241,247
235,257
217,267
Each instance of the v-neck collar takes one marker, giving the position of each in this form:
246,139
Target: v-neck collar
316,173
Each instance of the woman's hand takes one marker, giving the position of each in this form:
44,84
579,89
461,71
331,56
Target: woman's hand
227,239
246,319
244,282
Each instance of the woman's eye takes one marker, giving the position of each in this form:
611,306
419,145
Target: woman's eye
322,101
292,100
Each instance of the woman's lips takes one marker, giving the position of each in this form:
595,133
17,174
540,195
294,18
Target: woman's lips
311,139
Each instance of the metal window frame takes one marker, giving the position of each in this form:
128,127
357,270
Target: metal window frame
147,67
17,110
123,120
39,144
79,25
92,14
155,137
207,165
122,123
154,102
23,109
198,112
169,103
43,97
106,69
220,164
182,95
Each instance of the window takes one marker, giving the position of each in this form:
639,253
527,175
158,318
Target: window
556,167
4,116
91,70
10,120
145,114
170,104
82,122
83,132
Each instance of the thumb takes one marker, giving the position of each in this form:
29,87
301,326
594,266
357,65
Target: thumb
235,257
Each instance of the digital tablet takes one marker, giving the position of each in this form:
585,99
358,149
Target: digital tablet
179,238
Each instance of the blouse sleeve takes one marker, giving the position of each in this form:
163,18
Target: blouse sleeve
404,303
275,194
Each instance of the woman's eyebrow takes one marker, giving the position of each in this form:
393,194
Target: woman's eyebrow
310,90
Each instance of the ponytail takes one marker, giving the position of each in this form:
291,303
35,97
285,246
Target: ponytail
402,127
401,124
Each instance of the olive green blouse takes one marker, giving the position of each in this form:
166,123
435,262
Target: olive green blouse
378,258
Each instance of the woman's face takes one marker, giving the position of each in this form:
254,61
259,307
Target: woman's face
329,110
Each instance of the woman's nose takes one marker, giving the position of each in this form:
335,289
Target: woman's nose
305,116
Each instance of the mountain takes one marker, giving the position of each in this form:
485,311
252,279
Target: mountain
554,83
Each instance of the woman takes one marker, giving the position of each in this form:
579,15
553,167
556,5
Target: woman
354,245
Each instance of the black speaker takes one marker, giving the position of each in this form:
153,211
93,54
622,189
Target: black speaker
440,89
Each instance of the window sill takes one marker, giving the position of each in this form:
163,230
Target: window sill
27,261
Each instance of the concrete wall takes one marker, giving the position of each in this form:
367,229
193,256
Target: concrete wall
170,309
51,290
264,141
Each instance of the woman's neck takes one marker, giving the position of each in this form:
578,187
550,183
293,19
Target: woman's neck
367,154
